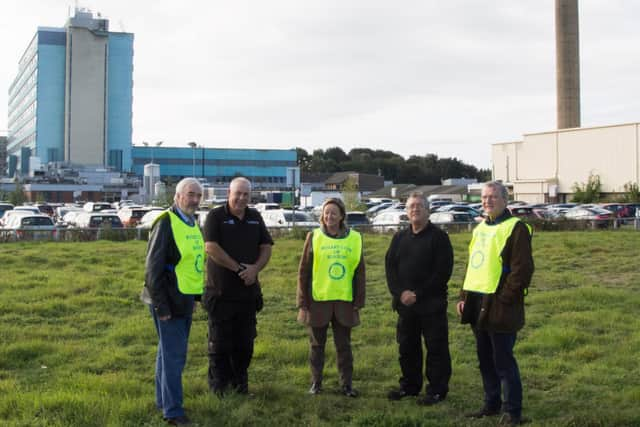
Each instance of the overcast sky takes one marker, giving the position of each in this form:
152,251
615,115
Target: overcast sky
447,77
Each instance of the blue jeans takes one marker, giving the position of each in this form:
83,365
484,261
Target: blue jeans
173,337
499,370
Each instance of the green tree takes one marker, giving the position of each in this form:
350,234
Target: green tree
304,159
350,195
631,193
589,192
17,197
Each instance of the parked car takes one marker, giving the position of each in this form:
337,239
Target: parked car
620,210
18,211
131,215
261,207
452,217
379,207
147,219
526,212
98,220
201,216
5,207
389,221
459,208
31,227
597,217
356,218
562,206
69,218
61,211
435,204
96,206
45,209
287,218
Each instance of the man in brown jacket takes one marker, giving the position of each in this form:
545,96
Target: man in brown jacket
492,301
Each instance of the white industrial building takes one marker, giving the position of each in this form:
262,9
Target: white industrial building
544,167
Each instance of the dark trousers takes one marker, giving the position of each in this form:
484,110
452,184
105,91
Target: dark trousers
232,330
342,340
434,327
173,337
499,370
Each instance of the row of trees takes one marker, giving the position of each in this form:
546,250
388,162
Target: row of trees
419,170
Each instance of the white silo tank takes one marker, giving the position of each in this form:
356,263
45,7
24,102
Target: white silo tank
151,178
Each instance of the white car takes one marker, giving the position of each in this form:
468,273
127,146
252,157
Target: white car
262,207
96,206
31,227
17,211
98,220
147,219
287,218
390,221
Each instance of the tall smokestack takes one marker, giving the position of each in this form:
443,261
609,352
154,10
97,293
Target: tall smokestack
567,64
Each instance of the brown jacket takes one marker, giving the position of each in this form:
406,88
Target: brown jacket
317,314
503,311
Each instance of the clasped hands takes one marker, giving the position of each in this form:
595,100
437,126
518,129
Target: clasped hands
249,274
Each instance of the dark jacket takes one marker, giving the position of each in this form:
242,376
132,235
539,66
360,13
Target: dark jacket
421,263
161,284
503,311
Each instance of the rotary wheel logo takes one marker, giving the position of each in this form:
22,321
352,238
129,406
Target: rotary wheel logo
337,271
477,259
198,264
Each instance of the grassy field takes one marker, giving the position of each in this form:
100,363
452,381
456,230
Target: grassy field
77,346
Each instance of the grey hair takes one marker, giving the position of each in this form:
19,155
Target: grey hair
238,180
184,183
496,185
419,195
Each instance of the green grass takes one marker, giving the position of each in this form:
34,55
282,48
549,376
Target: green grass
77,346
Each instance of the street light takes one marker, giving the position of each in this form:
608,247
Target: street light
157,144
193,146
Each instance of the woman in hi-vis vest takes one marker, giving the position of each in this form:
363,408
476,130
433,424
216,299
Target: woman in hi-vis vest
331,290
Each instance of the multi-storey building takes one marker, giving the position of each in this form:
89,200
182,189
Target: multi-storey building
71,100
3,155
267,169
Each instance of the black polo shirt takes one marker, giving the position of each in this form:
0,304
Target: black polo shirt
241,240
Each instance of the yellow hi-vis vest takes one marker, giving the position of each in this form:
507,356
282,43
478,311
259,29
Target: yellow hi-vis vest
485,263
189,270
334,264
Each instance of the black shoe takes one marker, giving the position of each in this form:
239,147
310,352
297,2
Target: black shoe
316,387
431,399
507,420
348,391
399,394
182,420
484,412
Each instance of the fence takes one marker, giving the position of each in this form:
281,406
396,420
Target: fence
124,234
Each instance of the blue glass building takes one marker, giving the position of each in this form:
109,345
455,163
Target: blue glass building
71,100
265,168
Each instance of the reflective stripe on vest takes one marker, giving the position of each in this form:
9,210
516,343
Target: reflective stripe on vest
485,263
189,270
334,265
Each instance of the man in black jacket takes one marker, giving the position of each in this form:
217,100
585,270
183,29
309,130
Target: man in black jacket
174,278
238,247
418,264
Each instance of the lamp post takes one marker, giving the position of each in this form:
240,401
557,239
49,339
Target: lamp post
193,146
157,144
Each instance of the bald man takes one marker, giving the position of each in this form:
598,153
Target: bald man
238,246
